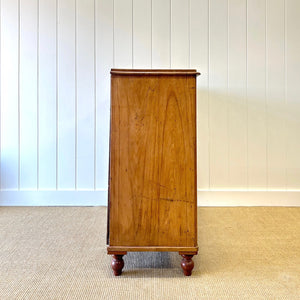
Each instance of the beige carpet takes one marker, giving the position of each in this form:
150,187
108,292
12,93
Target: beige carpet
59,253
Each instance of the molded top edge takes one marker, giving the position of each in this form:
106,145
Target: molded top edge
154,72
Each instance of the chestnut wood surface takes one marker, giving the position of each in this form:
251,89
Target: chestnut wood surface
152,181
185,250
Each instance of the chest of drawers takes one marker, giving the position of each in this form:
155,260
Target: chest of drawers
152,170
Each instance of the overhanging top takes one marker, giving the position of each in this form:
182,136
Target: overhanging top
187,72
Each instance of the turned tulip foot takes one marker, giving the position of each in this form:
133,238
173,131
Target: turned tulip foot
187,264
117,264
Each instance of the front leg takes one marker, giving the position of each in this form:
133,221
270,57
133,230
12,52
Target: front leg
187,264
117,264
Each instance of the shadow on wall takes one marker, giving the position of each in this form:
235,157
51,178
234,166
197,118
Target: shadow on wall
9,171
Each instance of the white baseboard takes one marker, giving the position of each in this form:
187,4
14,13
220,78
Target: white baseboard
53,198
248,198
99,198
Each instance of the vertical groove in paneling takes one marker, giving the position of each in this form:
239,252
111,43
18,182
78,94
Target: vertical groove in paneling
95,97
151,50
113,17
19,137
76,97
0,91
227,98
266,94
247,113
38,97
56,94
208,94
170,49
285,96
132,39
189,30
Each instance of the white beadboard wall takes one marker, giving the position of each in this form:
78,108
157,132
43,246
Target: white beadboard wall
55,58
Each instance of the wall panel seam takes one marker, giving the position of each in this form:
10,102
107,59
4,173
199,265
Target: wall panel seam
76,95
247,104
95,96
38,98
285,91
132,37
208,93
189,31
151,34
170,49
56,94
19,112
114,50
227,98
0,93
266,95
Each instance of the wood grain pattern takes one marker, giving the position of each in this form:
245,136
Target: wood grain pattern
153,160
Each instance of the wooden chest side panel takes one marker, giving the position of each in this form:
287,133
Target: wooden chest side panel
153,161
